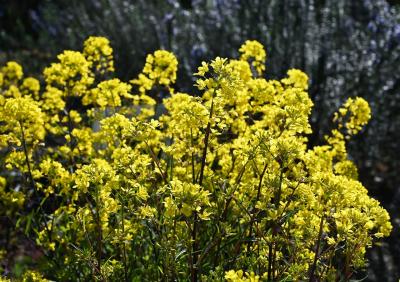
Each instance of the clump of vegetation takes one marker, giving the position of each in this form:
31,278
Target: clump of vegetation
222,186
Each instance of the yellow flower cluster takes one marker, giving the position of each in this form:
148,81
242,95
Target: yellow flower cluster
111,191
296,78
239,276
12,84
70,74
185,199
108,93
253,51
160,69
30,87
11,73
99,54
23,120
354,114
33,276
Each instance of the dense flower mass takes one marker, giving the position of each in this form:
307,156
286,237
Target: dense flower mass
160,69
254,51
99,54
112,186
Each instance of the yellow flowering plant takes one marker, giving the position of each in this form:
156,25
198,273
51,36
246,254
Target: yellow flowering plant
218,187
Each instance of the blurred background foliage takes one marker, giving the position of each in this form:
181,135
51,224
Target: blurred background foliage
348,48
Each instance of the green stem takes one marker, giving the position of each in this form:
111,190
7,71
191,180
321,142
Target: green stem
99,234
193,169
70,128
123,241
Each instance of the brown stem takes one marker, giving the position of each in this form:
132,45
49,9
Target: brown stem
206,138
274,255
27,157
157,162
195,216
49,232
269,262
272,246
194,249
211,245
257,199
314,265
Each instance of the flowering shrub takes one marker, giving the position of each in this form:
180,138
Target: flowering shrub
216,187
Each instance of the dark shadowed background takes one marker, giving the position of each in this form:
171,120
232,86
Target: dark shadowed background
348,48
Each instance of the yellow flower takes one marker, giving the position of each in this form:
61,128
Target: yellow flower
31,86
253,51
12,72
71,74
297,78
108,93
98,53
160,69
